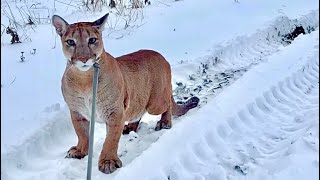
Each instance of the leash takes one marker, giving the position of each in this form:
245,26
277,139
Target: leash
96,67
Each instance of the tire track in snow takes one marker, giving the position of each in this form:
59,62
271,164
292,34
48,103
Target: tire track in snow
289,133
42,156
243,143
227,63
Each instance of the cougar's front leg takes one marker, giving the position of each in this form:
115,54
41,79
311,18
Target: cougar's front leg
81,126
109,160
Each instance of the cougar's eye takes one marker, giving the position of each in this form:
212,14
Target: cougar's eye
92,40
71,42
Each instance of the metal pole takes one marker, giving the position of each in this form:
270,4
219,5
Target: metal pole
95,84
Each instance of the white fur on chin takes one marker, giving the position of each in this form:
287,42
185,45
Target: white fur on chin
84,66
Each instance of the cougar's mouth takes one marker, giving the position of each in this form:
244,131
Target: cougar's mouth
84,66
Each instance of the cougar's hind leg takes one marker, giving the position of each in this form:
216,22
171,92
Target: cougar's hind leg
165,121
131,127
192,102
81,126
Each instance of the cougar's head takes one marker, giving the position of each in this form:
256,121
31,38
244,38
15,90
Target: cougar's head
81,42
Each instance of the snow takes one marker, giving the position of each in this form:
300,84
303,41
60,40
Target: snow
263,124
227,131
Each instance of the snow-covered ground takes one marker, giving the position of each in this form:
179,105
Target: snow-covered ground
258,117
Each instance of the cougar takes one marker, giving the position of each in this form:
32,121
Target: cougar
128,86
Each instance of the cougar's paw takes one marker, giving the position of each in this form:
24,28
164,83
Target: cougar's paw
192,102
74,152
126,130
109,166
163,125
130,127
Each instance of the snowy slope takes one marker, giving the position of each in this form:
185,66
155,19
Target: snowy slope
268,128
272,131
258,111
196,35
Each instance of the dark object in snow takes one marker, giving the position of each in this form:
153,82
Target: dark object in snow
310,29
14,34
147,2
30,22
198,88
192,77
179,83
206,82
34,51
204,71
243,170
112,4
288,38
205,66
22,57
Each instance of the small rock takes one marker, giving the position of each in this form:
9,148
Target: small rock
243,170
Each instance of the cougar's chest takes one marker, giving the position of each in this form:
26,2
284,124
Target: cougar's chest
77,91
85,107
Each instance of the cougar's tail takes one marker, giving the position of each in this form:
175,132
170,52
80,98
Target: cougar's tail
180,108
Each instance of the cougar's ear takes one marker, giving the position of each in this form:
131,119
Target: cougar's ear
60,24
100,22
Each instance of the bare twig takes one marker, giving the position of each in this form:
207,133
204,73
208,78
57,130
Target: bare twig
14,20
14,79
164,3
67,4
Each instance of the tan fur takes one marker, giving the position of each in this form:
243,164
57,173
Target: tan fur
128,86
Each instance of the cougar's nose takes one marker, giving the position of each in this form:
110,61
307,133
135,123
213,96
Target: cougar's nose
83,59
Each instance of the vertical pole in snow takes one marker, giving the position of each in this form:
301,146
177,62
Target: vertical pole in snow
95,84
